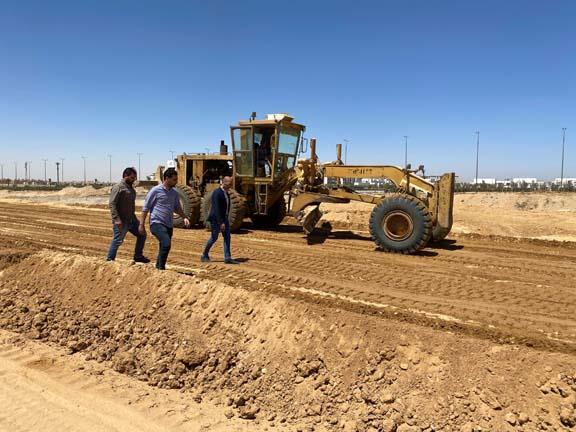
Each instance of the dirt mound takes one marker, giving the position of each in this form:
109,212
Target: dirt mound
282,361
527,201
547,216
81,192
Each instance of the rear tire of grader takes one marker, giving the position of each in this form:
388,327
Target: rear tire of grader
401,223
276,214
190,200
236,214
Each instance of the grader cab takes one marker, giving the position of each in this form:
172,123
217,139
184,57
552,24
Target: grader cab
262,166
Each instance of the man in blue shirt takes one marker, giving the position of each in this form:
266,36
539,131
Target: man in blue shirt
218,217
162,201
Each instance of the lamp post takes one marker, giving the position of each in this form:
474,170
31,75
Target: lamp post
562,166
62,165
405,151
346,151
110,168
84,160
477,153
139,155
45,178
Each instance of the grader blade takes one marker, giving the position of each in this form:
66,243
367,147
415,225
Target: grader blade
311,219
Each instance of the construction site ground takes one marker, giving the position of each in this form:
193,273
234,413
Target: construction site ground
475,333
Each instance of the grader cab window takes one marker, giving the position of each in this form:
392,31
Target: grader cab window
287,149
264,138
243,144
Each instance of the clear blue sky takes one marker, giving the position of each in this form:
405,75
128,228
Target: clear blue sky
96,77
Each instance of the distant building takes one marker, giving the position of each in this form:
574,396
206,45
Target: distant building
489,181
567,180
528,180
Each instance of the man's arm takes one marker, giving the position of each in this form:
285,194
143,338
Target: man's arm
113,205
180,212
217,205
149,203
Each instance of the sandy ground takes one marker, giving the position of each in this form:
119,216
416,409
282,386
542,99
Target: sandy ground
477,333
549,216
44,389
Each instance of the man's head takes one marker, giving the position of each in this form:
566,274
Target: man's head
129,175
226,183
170,177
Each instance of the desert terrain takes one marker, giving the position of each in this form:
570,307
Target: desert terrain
475,333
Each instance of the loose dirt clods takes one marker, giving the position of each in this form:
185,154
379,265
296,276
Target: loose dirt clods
267,345
176,332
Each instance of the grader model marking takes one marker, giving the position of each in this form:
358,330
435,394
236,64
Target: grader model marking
265,168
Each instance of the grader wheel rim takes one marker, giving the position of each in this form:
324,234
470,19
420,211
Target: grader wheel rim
398,225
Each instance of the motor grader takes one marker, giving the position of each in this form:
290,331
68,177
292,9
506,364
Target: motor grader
265,168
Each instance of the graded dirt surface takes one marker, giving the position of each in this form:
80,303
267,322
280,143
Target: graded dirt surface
321,333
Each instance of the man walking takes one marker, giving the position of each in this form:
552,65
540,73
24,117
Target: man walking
122,205
218,218
162,201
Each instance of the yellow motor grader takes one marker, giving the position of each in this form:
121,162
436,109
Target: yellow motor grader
265,169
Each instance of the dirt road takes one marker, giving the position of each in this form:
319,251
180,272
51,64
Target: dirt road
504,289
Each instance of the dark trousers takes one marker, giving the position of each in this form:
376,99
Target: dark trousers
120,234
164,236
215,232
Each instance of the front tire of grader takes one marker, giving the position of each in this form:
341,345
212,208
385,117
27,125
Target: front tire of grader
190,200
236,214
275,216
401,223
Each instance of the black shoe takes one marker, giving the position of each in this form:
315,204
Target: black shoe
142,259
231,261
205,259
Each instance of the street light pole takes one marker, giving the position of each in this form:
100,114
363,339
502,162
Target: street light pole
139,155
405,151
562,168
62,165
45,178
15,172
172,154
2,170
477,153
110,168
346,151
84,160
30,170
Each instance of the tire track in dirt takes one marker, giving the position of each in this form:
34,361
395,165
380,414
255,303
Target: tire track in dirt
521,289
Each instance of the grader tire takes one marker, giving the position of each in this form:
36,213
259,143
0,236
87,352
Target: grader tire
190,200
236,214
401,224
276,214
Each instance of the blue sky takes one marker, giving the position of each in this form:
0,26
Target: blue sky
91,78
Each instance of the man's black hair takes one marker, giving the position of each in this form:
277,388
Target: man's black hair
170,172
128,171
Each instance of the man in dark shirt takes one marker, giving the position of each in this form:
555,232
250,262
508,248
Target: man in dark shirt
218,218
122,206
